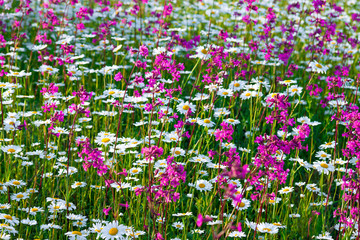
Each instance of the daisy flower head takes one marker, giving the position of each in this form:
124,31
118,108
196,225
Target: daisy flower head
303,120
184,107
57,206
161,50
295,90
171,137
323,167
113,231
79,223
203,52
274,201
237,85
286,190
206,122
19,196
237,234
96,228
200,159
232,121
11,149
317,67
78,184
220,112
182,214
104,140
16,183
199,231
339,161
243,204
203,185
312,188
178,225
106,134
201,96
33,210
300,184
225,92
77,235
134,234
247,94
12,220
304,164
325,235
135,171
5,206
322,155
278,225
48,69
287,82
327,145
267,228
177,152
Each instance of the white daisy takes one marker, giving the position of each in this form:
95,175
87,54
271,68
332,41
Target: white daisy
286,190
203,185
184,107
113,231
11,149
323,167
317,67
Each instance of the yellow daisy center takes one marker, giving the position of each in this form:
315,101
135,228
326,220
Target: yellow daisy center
324,165
105,140
186,107
113,231
241,204
77,233
204,51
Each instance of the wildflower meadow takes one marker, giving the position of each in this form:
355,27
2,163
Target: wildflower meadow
179,119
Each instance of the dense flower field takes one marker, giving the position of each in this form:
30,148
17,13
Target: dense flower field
179,119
